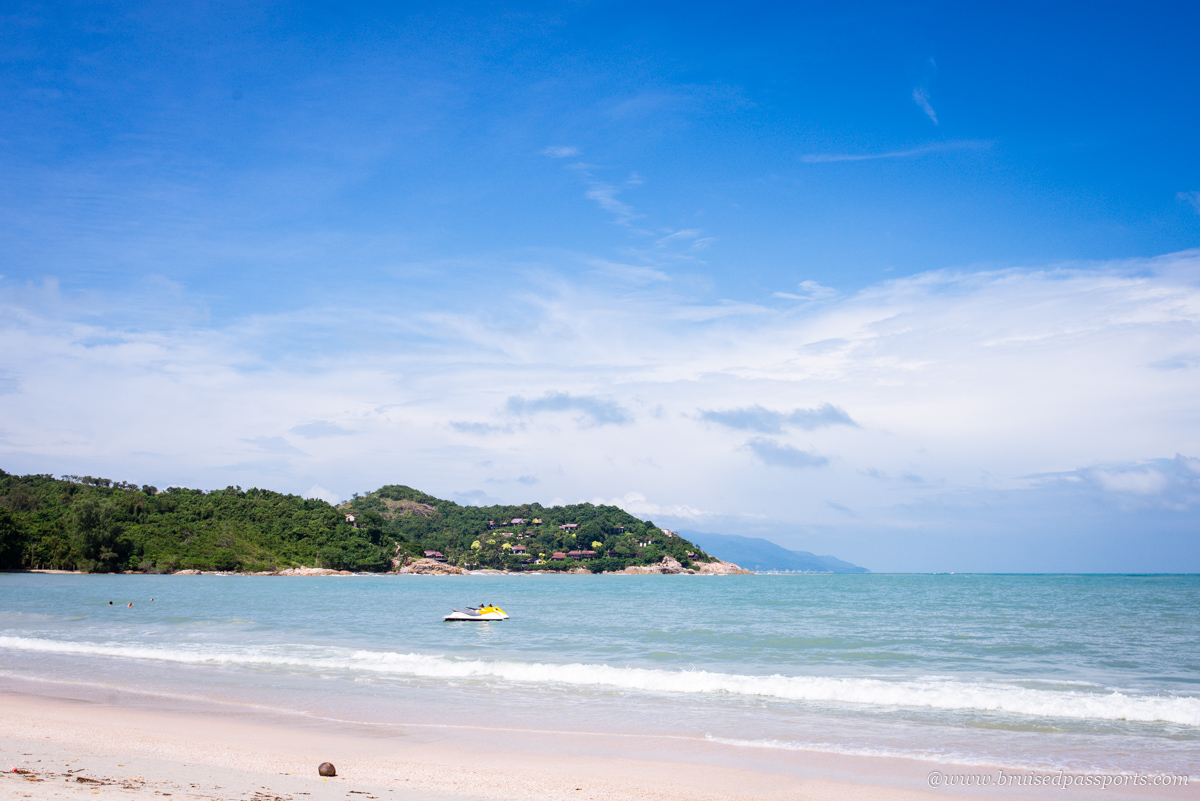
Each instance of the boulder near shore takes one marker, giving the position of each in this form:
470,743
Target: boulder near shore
431,567
669,565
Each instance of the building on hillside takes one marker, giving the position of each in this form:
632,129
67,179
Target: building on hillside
521,549
569,526
558,556
435,555
517,521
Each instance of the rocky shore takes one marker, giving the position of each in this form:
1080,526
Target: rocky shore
431,567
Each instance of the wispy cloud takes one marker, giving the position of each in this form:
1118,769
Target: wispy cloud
831,158
956,377
320,428
631,273
560,152
1157,483
692,238
479,429
605,197
809,290
767,421
778,454
1192,198
1180,361
921,98
594,411
273,445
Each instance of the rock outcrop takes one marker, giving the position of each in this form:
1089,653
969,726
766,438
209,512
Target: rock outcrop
312,571
671,566
431,567
719,568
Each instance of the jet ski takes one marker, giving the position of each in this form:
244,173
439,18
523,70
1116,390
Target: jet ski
477,613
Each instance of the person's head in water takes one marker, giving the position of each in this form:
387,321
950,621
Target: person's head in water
110,603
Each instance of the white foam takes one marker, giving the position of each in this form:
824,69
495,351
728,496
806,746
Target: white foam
939,692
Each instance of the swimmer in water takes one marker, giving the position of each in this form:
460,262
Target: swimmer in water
110,603
131,604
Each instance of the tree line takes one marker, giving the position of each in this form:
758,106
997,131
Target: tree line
105,526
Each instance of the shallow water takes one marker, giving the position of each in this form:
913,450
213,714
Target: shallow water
1076,672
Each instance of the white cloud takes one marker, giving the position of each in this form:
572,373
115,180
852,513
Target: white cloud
636,504
317,491
1144,481
560,152
1166,483
972,381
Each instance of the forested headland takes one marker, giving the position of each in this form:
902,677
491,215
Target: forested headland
105,526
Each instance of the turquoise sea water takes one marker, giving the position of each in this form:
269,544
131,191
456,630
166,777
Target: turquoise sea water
1077,672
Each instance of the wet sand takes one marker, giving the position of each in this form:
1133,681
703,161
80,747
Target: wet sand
71,748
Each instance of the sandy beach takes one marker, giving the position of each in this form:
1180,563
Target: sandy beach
73,748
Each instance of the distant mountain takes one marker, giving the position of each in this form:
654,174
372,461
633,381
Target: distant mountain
754,553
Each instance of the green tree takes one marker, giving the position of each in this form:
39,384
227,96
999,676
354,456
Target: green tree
96,536
12,540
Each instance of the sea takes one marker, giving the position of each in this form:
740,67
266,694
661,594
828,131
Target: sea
1091,673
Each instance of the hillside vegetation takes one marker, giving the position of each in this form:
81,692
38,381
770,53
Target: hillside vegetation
104,526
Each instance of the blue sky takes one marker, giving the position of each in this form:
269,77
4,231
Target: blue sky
916,285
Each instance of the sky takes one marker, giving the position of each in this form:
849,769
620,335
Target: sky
913,284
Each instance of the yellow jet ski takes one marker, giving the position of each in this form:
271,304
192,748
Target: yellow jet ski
487,612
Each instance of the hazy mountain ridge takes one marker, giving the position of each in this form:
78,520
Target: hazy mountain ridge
759,555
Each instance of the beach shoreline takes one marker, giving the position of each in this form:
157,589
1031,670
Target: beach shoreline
223,753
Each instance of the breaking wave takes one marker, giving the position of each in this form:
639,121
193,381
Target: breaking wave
928,692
